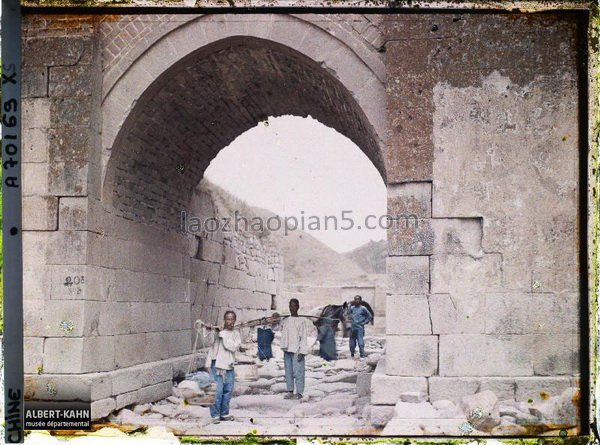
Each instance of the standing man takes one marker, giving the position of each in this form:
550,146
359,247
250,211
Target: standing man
294,343
225,342
360,316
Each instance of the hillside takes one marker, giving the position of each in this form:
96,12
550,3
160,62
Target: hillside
306,260
370,257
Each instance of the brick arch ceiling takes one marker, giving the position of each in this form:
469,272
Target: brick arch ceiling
201,104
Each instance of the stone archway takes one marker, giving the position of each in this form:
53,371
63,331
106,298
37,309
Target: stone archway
95,306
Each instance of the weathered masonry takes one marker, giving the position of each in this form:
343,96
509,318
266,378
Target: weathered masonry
471,119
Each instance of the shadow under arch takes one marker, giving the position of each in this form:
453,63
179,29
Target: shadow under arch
202,103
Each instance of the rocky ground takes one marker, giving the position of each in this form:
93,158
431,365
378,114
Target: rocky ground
336,399
482,414
336,402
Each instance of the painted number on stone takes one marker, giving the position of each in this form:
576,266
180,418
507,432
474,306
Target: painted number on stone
73,283
74,280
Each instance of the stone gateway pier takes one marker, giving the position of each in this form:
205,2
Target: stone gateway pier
472,119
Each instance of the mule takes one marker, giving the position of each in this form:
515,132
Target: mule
330,318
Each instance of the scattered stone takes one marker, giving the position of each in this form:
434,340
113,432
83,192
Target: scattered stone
164,410
373,359
508,411
173,399
508,430
239,390
262,383
335,387
448,410
314,394
485,404
128,417
141,409
346,377
346,364
278,388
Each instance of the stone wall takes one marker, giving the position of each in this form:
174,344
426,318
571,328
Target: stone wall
240,270
486,287
108,301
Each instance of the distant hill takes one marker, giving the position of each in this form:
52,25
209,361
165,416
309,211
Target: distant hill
307,261
370,257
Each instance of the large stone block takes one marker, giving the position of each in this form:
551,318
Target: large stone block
457,314
381,415
64,50
67,247
211,251
486,355
555,354
458,236
35,245
102,408
66,81
411,355
409,198
35,283
407,314
145,395
411,154
35,179
410,236
34,82
79,282
136,377
266,286
40,213
386,389
134,349
236,279
73,213
73,110
60,318
79,355
67,178
540,388
159,317
455,388
204,271
69,144
529,313
115,318
35,145
36,113
408,275
459,274
86,387
33,354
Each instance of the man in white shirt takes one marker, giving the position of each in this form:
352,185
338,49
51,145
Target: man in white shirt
294,343
221,356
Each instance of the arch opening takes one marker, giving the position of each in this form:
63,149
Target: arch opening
204,102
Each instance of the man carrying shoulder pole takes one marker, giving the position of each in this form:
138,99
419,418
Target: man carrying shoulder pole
294,343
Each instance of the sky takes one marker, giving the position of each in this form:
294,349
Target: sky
298,167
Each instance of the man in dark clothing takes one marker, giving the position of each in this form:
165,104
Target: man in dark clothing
360,316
